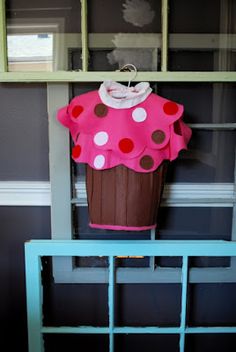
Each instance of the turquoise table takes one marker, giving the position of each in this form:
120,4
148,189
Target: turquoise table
36,249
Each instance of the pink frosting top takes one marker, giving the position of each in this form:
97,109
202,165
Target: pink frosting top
119,125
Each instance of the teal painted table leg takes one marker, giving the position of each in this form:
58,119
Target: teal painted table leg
34,301
183,303
111,293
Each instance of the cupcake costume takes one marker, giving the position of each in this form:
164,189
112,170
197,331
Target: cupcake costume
125,126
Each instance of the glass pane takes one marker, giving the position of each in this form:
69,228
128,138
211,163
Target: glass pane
124,31
68,342
41,35
84,232
78,300
146,342
211,342
210,158
194,223
212,305
147,305
202,35
203,102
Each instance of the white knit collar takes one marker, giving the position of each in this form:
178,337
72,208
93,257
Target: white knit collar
119,96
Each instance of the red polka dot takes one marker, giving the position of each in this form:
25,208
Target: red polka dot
77,110
126,145
76,151
170,108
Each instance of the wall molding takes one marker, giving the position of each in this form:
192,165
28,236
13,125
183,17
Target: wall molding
38,193
25,193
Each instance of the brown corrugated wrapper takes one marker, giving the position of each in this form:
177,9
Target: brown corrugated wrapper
123,197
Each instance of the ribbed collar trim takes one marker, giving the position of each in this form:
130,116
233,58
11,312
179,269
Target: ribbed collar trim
119,96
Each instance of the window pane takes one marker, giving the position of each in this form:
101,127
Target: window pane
40,34
206,307
210,158
211,342
147,305
124,31
202,35
84,232
144,342
194,223
69,342
203,102
78,300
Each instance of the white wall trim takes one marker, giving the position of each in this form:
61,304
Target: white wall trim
25,193
38,193
199,194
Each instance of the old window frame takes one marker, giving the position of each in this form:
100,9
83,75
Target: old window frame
58,95
85,76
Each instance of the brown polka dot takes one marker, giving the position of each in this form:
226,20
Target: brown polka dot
100,110
146,162
158,136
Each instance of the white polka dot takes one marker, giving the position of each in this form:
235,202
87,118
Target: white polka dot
101,138
99,161
139,115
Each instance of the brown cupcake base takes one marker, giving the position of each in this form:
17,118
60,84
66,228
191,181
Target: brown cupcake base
123,199
121,228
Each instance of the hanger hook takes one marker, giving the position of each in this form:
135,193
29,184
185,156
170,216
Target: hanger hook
127,66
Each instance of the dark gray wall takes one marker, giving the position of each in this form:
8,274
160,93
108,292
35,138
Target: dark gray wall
23,157
23,132
18,224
